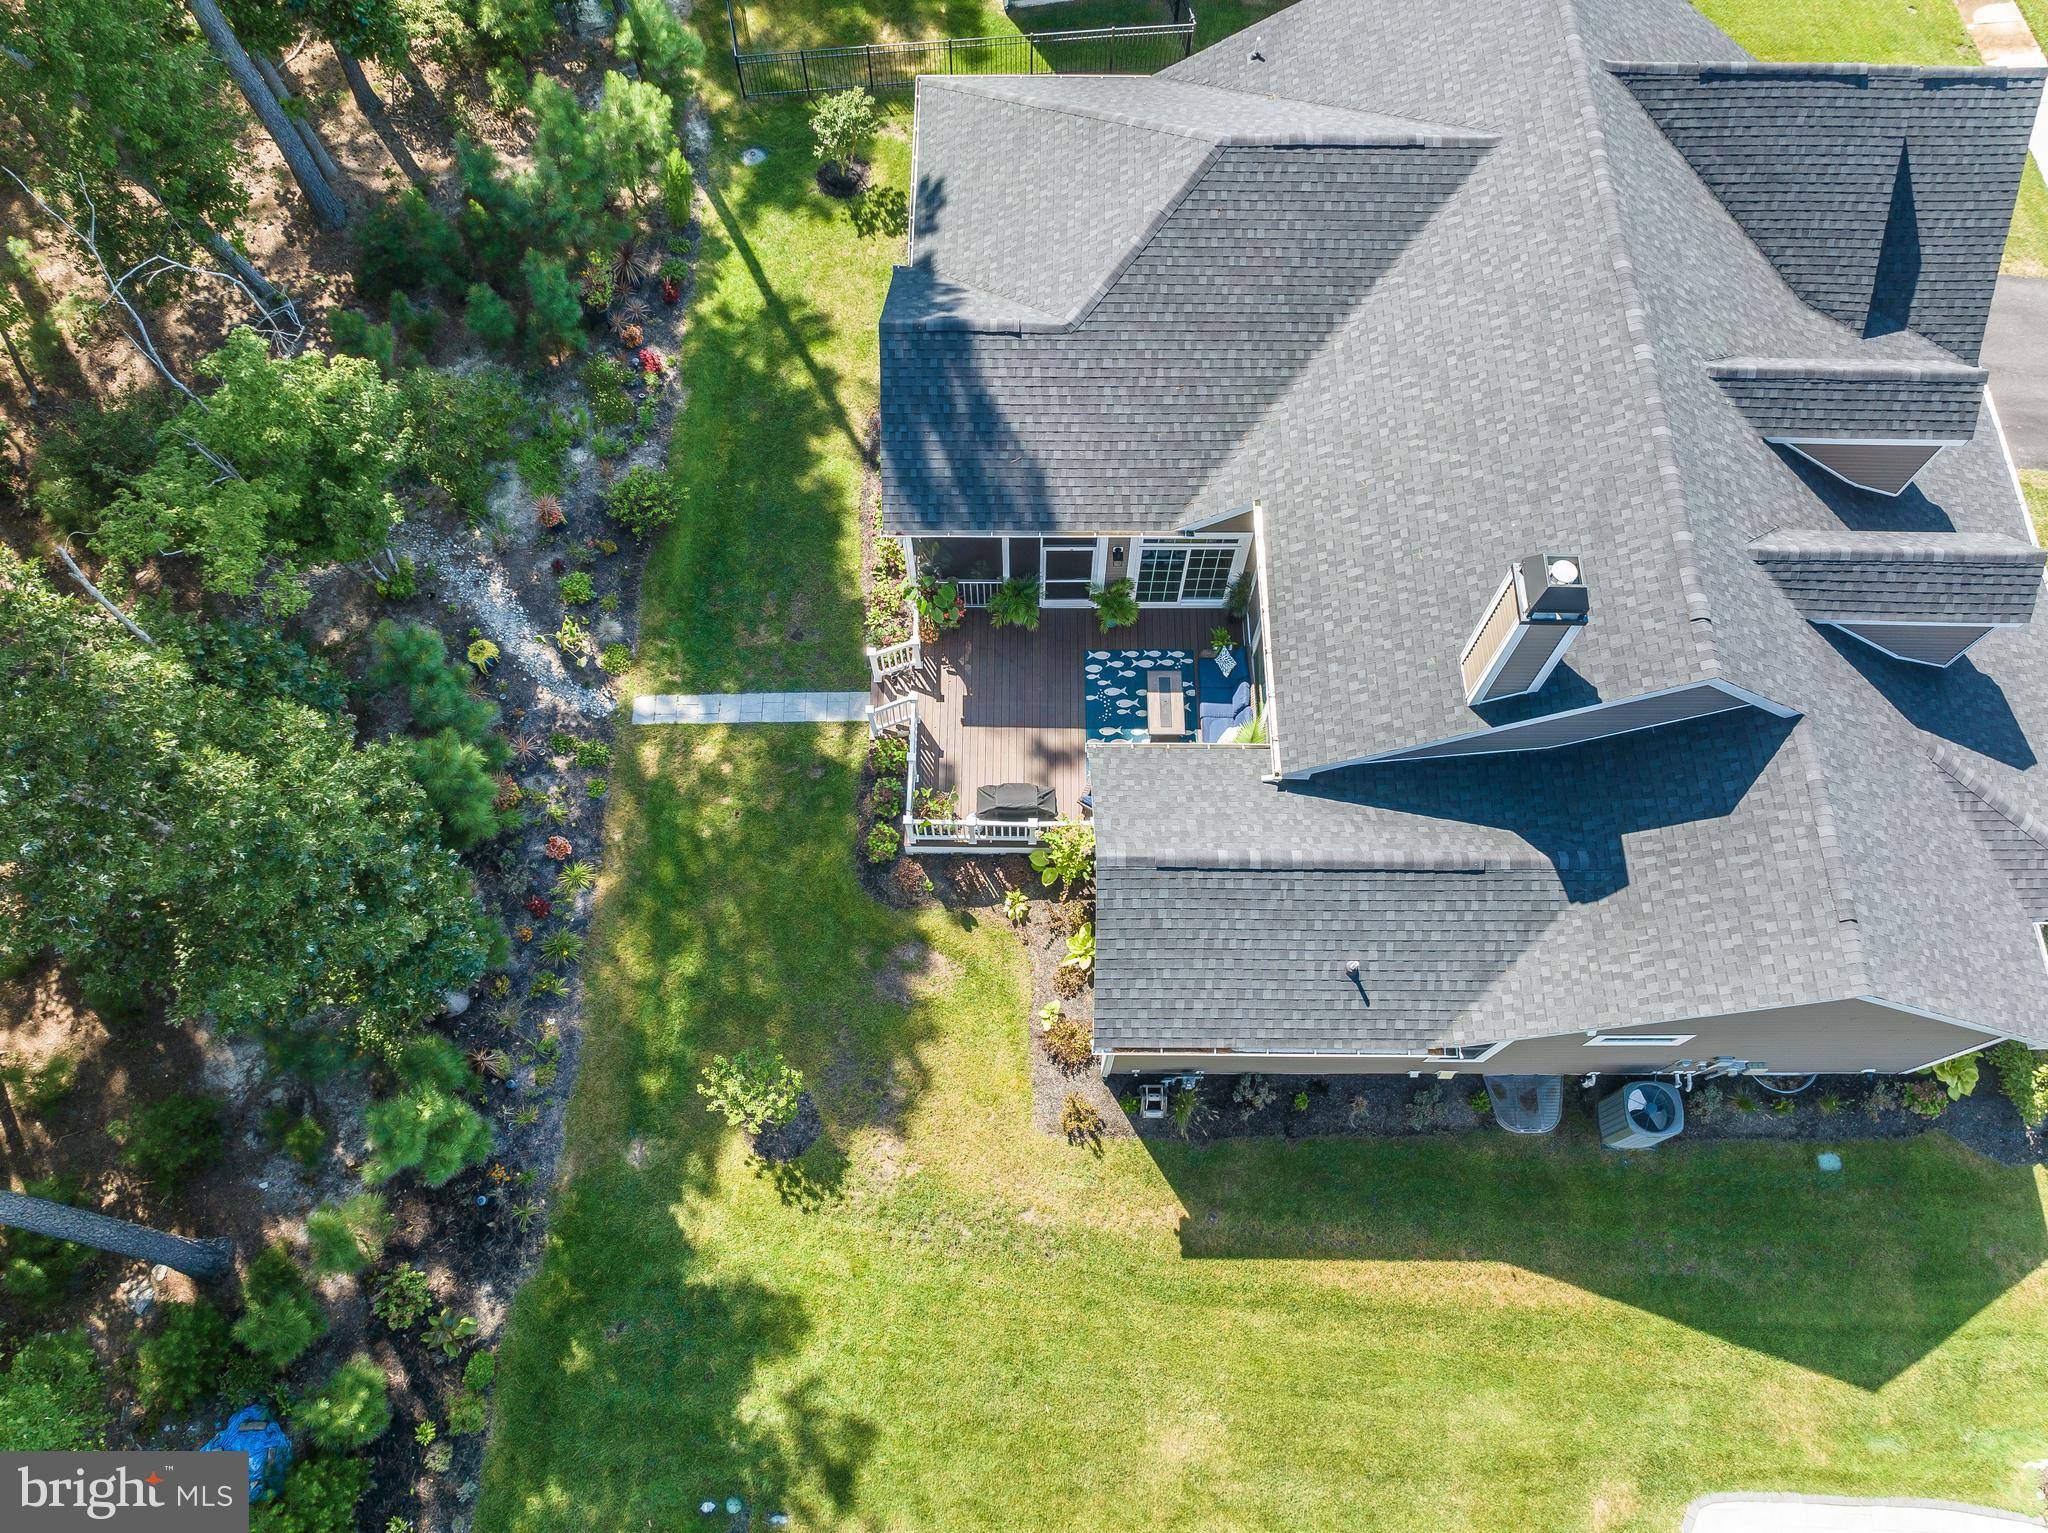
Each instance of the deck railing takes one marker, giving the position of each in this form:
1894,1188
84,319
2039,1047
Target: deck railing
891,658
922,833
976,593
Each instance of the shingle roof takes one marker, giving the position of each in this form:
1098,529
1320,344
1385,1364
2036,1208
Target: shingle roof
1881,194
1838,576
2017,838
1482,899
1814,400
1425,362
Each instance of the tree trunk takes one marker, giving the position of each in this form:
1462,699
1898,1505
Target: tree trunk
206,1260
320,194
214,241
372,107
274,78
14,356
410,73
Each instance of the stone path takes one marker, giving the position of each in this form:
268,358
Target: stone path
1838,1514
2000,32
752,708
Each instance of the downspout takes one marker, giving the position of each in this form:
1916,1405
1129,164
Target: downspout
1269,713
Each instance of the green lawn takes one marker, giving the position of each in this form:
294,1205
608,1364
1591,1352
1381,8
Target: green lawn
2035,482
1886,32
942,1320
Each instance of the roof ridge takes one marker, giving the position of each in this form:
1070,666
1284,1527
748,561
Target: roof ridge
1424,135
1972,74
1848,369
1900,545
1699,619
1832,864
2020,818
1209,860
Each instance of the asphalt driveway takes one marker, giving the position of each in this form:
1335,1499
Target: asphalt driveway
2016,352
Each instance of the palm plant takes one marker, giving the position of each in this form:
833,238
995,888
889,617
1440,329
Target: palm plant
1014,603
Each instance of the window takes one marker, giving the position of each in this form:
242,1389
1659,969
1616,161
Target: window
1463,1051
1634,1040
1186,570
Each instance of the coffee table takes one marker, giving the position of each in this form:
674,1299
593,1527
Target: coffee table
1166,711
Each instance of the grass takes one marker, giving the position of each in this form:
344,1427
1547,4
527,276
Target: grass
941,1319
1887,32
2034,481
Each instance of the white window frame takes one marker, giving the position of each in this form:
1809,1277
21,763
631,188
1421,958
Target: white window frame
1070,543
1648,1040
1240,540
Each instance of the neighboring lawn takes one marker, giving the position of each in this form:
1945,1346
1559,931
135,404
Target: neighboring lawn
2035,482
943,1320
1886,32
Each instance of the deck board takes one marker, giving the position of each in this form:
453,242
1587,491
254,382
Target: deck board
1000,705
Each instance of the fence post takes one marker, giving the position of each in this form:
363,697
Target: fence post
804,58
869,51
732,32
949,55
1111,69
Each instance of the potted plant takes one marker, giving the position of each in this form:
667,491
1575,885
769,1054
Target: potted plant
1014,603
938,604
1116,604
1219,639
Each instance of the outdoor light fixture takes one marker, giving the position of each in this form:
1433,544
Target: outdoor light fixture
1116,554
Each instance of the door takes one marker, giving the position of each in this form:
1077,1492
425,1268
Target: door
1193,572
1069,566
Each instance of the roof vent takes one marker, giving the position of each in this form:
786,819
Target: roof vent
1538,609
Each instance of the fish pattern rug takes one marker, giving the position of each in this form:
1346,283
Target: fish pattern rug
1115,689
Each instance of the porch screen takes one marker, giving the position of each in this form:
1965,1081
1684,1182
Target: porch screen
1188,570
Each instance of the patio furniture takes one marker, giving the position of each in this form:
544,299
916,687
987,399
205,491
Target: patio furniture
1015,801
1226,704
1166,709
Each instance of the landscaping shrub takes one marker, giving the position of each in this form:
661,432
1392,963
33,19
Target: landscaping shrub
299,1135
356,335
172,1140
2023,1075
183,1362
351,1410
412,657
462,426
1068,983
644,501
1188,1113
96,450
884,842
52,1398
280,1317
254,658
604,384
1253,1094
1080,952
554,316
1079,1121
489,318
615,658
755,1088
678,188
576,589
1926,1097
888,799
347,1237
406,244
889,756
457,781
1069,1043
416,323
402,1297
319,1495
1065,856
666,50
1958,1075
841,124
427,1126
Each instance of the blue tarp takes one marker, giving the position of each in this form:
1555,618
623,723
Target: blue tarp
251,1431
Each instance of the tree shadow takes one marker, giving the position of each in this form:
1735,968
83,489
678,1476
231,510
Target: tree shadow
1857,1275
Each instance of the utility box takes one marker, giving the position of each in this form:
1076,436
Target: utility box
1640,1114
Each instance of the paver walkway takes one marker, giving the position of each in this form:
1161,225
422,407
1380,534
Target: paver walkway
1838,1514
751,708
2000,32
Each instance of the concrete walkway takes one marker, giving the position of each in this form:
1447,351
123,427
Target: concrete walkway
751,708
2000,32
1766,1513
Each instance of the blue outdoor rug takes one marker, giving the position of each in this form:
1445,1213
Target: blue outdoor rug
1115,692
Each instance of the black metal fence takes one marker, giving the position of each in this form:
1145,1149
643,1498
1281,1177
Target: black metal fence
894,66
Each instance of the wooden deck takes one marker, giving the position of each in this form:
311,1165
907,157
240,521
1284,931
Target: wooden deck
998,705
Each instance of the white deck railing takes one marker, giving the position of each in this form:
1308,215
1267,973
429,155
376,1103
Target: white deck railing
976,593
892,658
922,833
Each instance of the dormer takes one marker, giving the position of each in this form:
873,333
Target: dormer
1919,596
1873,425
